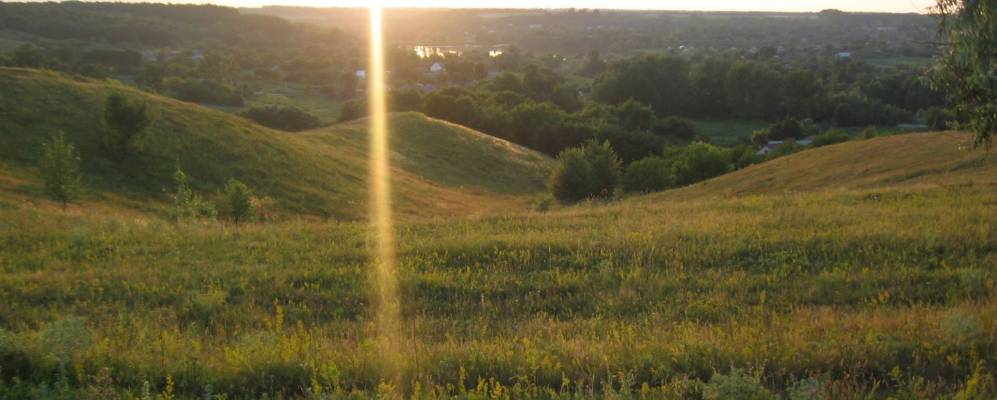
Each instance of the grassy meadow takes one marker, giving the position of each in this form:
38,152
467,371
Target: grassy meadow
845,294
319,173
864,270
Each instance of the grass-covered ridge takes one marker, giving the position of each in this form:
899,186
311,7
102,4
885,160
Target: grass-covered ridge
908,160
440,168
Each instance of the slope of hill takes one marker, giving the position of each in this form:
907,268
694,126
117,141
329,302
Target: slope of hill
916,159
439,168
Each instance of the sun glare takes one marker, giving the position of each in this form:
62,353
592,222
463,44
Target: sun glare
383,251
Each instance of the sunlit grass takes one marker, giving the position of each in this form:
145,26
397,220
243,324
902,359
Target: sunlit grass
884,292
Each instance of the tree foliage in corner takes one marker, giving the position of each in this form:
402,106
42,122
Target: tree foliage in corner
124,120
967,69
60,170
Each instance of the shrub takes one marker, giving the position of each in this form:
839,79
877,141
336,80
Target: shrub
737,385
186,204
571,179
204,91
830,137
124,120
291,119
647,175
237,201
697,162
543,203
585,172
60,170
785,150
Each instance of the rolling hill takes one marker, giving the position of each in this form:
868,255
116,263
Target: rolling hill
909,160
439,168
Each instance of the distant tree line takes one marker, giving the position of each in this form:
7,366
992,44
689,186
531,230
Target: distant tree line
842,92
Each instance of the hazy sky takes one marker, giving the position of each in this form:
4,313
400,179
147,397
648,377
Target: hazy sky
901,6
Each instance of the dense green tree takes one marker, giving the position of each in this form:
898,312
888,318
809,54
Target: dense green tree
697,162
674,127
571,179
404,100
237,201
633,115
589,171
455,106
124,119
60,170
606,167
966,69
659,82
647,175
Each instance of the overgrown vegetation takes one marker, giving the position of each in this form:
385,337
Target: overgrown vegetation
289,119
124,119
59,166
874,293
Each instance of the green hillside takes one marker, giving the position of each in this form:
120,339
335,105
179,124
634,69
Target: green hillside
909,160
440,168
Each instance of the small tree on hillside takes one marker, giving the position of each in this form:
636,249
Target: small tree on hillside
571,180
186,204
60,170
585,172
124,120
237,201
606,167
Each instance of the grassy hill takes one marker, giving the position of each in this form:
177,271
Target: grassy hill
439,168
908,160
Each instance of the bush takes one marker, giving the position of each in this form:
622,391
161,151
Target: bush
543,203
186,204
585,172
237,201
830,137
204,91
60,170
697,162
785,150
124,120
647,175
737,385
291,119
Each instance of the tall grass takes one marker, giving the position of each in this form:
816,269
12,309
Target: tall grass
841,294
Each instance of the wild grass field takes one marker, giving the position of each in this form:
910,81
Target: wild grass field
863,270
847,294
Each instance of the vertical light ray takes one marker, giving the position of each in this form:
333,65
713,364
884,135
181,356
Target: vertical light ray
385,280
